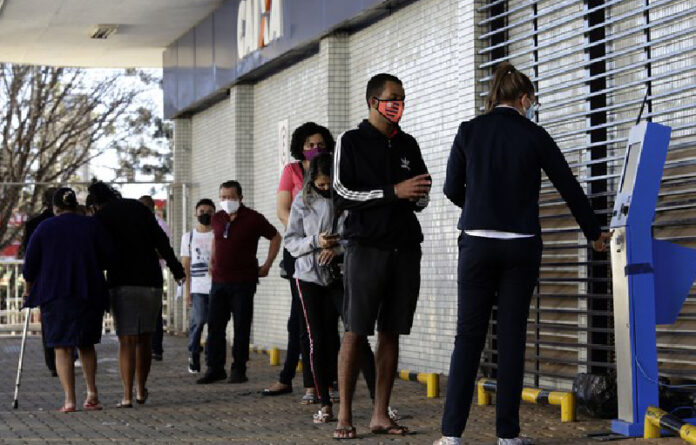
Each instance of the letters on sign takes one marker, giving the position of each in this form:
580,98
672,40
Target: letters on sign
259,22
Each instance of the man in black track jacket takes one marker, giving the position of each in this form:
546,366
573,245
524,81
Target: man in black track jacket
381,179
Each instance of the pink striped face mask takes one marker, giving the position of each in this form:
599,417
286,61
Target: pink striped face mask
392,110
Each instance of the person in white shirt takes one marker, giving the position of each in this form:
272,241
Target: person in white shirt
195,256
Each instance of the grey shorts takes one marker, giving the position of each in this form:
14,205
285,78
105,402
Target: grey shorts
383,286
135,309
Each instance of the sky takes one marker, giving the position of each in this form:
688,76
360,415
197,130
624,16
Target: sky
99,166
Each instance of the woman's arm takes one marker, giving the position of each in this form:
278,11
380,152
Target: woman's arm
284,202
455,181
297,241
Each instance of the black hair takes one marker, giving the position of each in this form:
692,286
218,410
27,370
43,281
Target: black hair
376,84
65,199
300,135
101,193
206,202
320,165
231,184
148,201
47,196
508,85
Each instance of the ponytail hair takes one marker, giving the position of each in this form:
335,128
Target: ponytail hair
64,199
507,85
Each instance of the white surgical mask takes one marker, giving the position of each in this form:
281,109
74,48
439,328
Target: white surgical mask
230,206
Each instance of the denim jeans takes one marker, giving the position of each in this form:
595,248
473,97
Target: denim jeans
199,317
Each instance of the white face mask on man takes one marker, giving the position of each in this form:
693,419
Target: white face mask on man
230,205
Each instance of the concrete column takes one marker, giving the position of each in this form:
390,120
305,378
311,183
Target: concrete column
334,54
242,103
178,204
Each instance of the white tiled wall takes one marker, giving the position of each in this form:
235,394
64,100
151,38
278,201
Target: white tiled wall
430,46
297,95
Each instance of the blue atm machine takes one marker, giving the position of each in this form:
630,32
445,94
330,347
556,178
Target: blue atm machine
651,278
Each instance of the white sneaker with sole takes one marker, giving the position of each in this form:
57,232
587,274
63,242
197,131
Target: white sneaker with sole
448,441
515,441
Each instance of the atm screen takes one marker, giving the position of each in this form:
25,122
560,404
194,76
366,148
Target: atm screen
631,166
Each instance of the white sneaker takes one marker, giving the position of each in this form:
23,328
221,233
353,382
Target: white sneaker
448,441
515,441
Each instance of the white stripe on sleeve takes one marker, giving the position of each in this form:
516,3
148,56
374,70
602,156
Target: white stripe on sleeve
342,190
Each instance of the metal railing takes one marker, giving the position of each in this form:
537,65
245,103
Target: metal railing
12,316
11,291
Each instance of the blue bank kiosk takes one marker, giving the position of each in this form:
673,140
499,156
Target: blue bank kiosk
651,278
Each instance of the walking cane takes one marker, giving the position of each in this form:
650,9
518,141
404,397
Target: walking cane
15,404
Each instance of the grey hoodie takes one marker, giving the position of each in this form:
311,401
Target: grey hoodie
306,222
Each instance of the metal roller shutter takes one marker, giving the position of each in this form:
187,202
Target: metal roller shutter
592,63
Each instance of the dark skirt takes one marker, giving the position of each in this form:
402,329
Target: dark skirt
71,323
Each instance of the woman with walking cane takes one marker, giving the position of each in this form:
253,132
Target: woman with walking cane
63,269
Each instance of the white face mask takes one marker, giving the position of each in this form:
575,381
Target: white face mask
230,206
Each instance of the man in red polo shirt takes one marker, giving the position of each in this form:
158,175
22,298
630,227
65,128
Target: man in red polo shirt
235,271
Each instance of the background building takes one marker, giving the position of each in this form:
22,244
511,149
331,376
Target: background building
240,75
592,61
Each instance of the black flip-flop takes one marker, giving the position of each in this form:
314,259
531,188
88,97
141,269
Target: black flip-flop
268,392
124,405
392,430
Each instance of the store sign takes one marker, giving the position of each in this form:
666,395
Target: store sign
259,22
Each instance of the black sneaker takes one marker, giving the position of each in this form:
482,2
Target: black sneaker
156,357
237,376
212,376
194,364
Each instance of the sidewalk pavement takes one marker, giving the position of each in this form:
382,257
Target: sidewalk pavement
180,412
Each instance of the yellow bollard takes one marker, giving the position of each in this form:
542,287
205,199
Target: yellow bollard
274,355
484,398
433,385
530,394
567,402
651,424
688,433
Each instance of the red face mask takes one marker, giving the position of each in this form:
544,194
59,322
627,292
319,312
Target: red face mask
392,110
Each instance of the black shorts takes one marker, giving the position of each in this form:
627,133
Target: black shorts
380,285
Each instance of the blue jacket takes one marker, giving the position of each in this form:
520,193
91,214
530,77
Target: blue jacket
494,175
65,260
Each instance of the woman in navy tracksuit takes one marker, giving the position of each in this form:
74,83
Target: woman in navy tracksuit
494,175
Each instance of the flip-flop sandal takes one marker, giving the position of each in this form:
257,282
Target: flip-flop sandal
66,409
309,399
144,399
277,392
350,430
92,406
124,405
322,417
392,430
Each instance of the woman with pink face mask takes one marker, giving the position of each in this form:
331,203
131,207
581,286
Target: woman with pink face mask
308,140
